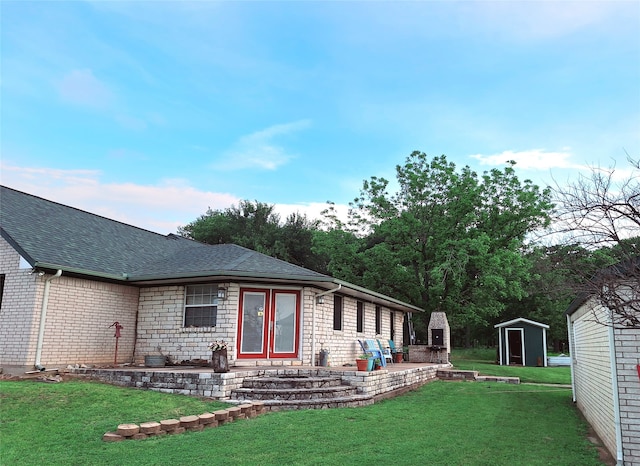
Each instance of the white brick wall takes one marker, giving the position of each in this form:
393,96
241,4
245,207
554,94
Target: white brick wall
592,376
18,313
161,331
592,379
627,358
343,344
79,313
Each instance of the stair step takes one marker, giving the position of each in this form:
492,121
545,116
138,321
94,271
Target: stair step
319,403
293,394
291,382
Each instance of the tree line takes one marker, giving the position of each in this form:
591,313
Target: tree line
450,239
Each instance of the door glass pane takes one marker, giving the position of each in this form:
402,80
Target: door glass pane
285,321
252,323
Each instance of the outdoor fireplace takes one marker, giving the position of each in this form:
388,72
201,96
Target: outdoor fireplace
439,337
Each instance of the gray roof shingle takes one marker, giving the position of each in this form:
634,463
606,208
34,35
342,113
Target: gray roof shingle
52,235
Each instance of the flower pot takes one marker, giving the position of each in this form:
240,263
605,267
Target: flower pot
362,364
219,361
397,357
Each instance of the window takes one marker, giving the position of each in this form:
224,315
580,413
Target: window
392,327
1,287
201,306
337,312
360,317
378,320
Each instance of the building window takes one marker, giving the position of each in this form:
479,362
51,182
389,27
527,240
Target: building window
1,287
360,317
392,328
378,320
201,306
337,312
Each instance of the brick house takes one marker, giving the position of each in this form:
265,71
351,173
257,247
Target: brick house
66,276
605,370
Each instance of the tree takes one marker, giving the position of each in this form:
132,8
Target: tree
454,239
257,226
601,212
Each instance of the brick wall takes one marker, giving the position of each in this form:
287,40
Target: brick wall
161,331
627,343
79,313
19,311
161,325
343,344
592,375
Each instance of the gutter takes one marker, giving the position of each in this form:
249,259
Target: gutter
43,318
313,322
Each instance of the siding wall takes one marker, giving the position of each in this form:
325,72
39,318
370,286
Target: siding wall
592,374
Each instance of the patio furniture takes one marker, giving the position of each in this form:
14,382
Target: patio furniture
386,352
372,349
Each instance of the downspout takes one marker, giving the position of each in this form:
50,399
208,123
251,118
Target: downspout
313,323
616,395
43,318
573,357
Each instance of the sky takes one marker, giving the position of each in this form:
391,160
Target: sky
152,112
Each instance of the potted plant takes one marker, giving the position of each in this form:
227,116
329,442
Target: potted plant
363,362
377,364
219,359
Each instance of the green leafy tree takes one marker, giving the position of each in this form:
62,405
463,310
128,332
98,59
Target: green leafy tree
257,226
454,239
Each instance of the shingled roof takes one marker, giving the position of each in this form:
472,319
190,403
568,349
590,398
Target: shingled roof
49,235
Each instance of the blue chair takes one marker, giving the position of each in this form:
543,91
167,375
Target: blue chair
386,352
373,349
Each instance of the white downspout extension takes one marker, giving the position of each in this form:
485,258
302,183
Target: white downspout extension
313,323
43,318
616,396
573,357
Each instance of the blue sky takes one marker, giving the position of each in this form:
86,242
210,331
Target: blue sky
150,112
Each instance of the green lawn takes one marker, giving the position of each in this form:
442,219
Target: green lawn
483,361
442,423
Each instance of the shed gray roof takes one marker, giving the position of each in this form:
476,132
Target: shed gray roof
53,236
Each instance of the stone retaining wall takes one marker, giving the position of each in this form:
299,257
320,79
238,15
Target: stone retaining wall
220,385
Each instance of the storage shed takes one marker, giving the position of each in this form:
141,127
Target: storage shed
522,342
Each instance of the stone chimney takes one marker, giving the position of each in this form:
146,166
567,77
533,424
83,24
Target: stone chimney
439,333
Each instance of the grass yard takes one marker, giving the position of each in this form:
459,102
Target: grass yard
483,361
442,423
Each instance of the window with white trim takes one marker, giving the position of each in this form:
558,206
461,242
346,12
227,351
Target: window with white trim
201,306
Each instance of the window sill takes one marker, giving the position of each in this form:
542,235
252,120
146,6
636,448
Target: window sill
197,329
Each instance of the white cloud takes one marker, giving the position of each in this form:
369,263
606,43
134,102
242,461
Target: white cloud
81,87
259,149
162,207
533,159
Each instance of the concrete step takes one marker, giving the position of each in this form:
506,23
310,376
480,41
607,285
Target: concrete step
353,401
331,392
455,374
291,382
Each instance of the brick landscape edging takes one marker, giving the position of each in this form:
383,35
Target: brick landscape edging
185,423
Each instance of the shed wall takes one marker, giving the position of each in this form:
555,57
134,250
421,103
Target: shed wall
627,357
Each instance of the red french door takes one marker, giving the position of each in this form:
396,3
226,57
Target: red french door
268,323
